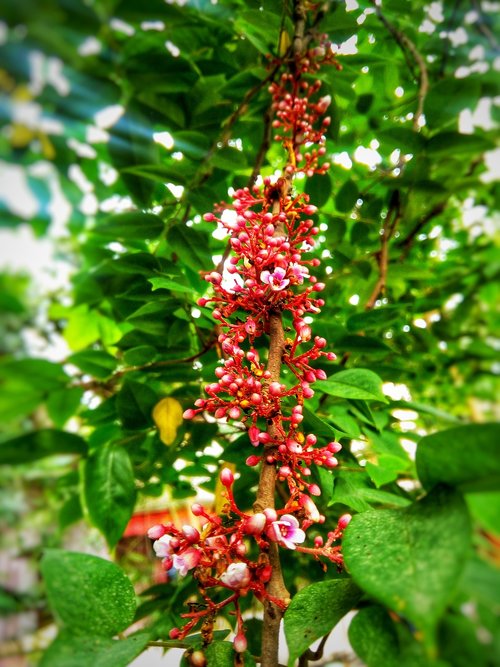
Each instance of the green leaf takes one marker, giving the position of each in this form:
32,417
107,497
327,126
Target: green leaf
88,595
354,489
172,285
373,319
191,246
131,226
373,636
485,509
315,610
389,552
63,404
466,457
387,469
261,28
135,403
46,442
455,143
357,383
347,196
75,650
319,188
98,363
109,489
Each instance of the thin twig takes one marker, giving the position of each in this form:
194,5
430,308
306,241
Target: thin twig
390,223
408,47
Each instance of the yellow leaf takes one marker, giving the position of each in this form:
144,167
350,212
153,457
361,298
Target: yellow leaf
21,136
167,415
47,146
285,42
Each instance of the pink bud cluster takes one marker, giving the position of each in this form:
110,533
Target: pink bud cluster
271,231
269,274
300,113
230,551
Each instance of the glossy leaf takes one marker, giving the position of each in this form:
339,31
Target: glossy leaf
134,225
466,457
315,610
357,383
388,554
109,489
39,444
93,597
90,650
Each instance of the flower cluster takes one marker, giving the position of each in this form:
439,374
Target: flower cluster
222,553
299,113
269,274
267,278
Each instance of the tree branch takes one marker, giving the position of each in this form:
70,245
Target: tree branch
408,47
390,223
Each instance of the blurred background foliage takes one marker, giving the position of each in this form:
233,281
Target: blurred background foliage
122,124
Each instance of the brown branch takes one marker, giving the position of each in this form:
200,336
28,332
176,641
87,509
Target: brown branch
408,47
266,499
390,223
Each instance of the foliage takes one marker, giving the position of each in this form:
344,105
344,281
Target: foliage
137,119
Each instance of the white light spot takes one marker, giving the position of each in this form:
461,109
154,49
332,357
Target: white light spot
107,174
89,204
107,117
176,190
453,301
427,27
90,46
95,135
153,25
121,26
420,323
195,313
492,163
367,156
172,48
399,92
398,392
165,139
351,5
435,11
343,160
81,149
354,300
16,193
4,33
347,48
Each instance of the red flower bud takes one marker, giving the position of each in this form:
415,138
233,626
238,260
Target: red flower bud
226,477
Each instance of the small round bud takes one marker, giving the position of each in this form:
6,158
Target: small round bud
226,477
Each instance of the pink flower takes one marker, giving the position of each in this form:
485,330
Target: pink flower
237,575
309,507
299,272
255,524
275,280
155,532
286,531
162,546
186,561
